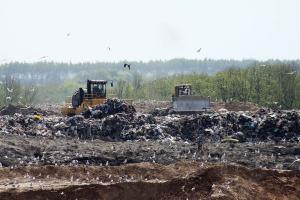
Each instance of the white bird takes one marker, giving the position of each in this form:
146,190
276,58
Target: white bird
297,160
6,66
125,161
8,98
48,99
31,90
10,90
187,175
43,57
199,50
291,72
68,34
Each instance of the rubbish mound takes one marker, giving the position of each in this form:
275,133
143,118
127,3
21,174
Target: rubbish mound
109,107
123,125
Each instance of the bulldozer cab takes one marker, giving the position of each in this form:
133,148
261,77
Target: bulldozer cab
183,90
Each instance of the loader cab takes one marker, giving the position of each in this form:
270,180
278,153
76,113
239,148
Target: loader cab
96,88
183,90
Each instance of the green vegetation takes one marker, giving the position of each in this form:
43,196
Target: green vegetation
261,83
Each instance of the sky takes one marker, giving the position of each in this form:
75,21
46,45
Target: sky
139,30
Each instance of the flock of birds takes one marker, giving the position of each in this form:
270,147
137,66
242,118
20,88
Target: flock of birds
12,90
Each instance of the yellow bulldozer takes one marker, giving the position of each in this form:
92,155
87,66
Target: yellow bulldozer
94,94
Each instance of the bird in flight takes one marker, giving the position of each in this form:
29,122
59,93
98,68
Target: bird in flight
5,66
10,90
31,90
68,34
9,98
127,65
291,72
199,50
3,60
43,57
108,48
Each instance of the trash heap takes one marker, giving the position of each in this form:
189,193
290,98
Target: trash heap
109,107
117,121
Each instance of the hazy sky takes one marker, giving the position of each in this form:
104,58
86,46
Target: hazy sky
138,30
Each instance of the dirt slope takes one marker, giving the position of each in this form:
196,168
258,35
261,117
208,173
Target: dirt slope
182,180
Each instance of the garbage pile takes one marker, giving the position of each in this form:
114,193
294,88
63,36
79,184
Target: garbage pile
124,125
109,107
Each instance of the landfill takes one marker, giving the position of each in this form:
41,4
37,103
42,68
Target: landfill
115,120
114,150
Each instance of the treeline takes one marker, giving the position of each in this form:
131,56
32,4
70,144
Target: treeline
263,83
44,72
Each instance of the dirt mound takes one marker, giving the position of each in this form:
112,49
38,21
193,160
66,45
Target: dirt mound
148,106
235,106
192,180
25,110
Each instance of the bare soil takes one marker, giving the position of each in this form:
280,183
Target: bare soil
148,106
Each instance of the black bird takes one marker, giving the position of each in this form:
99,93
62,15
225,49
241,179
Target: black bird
199,50
108,48
127,65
